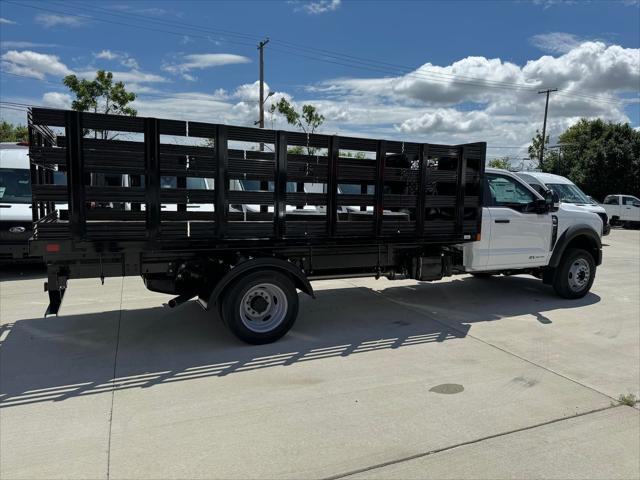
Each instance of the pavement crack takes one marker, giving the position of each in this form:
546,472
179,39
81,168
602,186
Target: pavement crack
464,444
113,381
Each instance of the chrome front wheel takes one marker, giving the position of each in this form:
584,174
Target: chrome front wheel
575,274
579,274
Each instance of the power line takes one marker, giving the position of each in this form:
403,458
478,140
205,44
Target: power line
334,57
338,58
376,63
88,17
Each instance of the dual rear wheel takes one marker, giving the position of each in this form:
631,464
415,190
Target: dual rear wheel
260,307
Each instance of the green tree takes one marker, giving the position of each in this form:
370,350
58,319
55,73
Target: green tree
309,120
504,163
100,95
13,133
534,151
600,157
348,154
295,150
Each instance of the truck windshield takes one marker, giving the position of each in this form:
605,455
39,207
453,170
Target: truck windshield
15,185
569,193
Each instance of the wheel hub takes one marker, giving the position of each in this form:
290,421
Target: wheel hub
263,307
579,274
259,304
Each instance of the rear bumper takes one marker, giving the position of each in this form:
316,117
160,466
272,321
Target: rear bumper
14,251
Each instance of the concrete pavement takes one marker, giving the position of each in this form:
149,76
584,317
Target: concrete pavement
119,387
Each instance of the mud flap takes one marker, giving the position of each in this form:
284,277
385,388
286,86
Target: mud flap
55,286
55,300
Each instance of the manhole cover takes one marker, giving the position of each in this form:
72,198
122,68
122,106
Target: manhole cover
447,388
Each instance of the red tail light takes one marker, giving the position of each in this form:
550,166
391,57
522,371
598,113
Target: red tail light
52,247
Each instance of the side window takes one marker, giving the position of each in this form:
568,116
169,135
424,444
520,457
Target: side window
538,188
506,192
611,201
627,200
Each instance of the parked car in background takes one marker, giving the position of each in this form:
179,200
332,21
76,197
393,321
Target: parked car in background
568,193
623,209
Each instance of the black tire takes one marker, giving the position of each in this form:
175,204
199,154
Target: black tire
575,263
260,307
482,274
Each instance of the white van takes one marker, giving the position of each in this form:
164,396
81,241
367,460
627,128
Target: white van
568,193
15,201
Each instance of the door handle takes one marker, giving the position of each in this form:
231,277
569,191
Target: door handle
503,220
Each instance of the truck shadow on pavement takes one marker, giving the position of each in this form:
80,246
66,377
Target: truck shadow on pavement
23,271
55,359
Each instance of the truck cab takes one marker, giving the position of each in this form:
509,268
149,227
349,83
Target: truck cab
568,192
526,232
623,209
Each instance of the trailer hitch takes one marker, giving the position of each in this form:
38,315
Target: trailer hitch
56,285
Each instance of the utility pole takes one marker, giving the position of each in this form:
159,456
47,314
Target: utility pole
544,125
263,185
261,46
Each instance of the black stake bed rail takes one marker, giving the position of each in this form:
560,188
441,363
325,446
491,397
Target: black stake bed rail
153,185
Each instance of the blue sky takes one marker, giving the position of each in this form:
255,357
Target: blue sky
182,64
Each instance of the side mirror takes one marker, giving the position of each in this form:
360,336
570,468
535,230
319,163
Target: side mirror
552,200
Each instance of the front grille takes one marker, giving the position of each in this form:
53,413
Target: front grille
5,225
605,221
7,236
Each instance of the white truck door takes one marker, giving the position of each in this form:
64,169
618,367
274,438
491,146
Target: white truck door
520,237
611,205
630,209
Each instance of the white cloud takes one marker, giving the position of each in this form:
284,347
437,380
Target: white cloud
33,64
556,42
455,103
447,121
591,68
106,54
52,20
132,76
57,100
316,7
39,65
6,21
239,107
124,58
151,11
483,99
471,99
18,44
199,61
